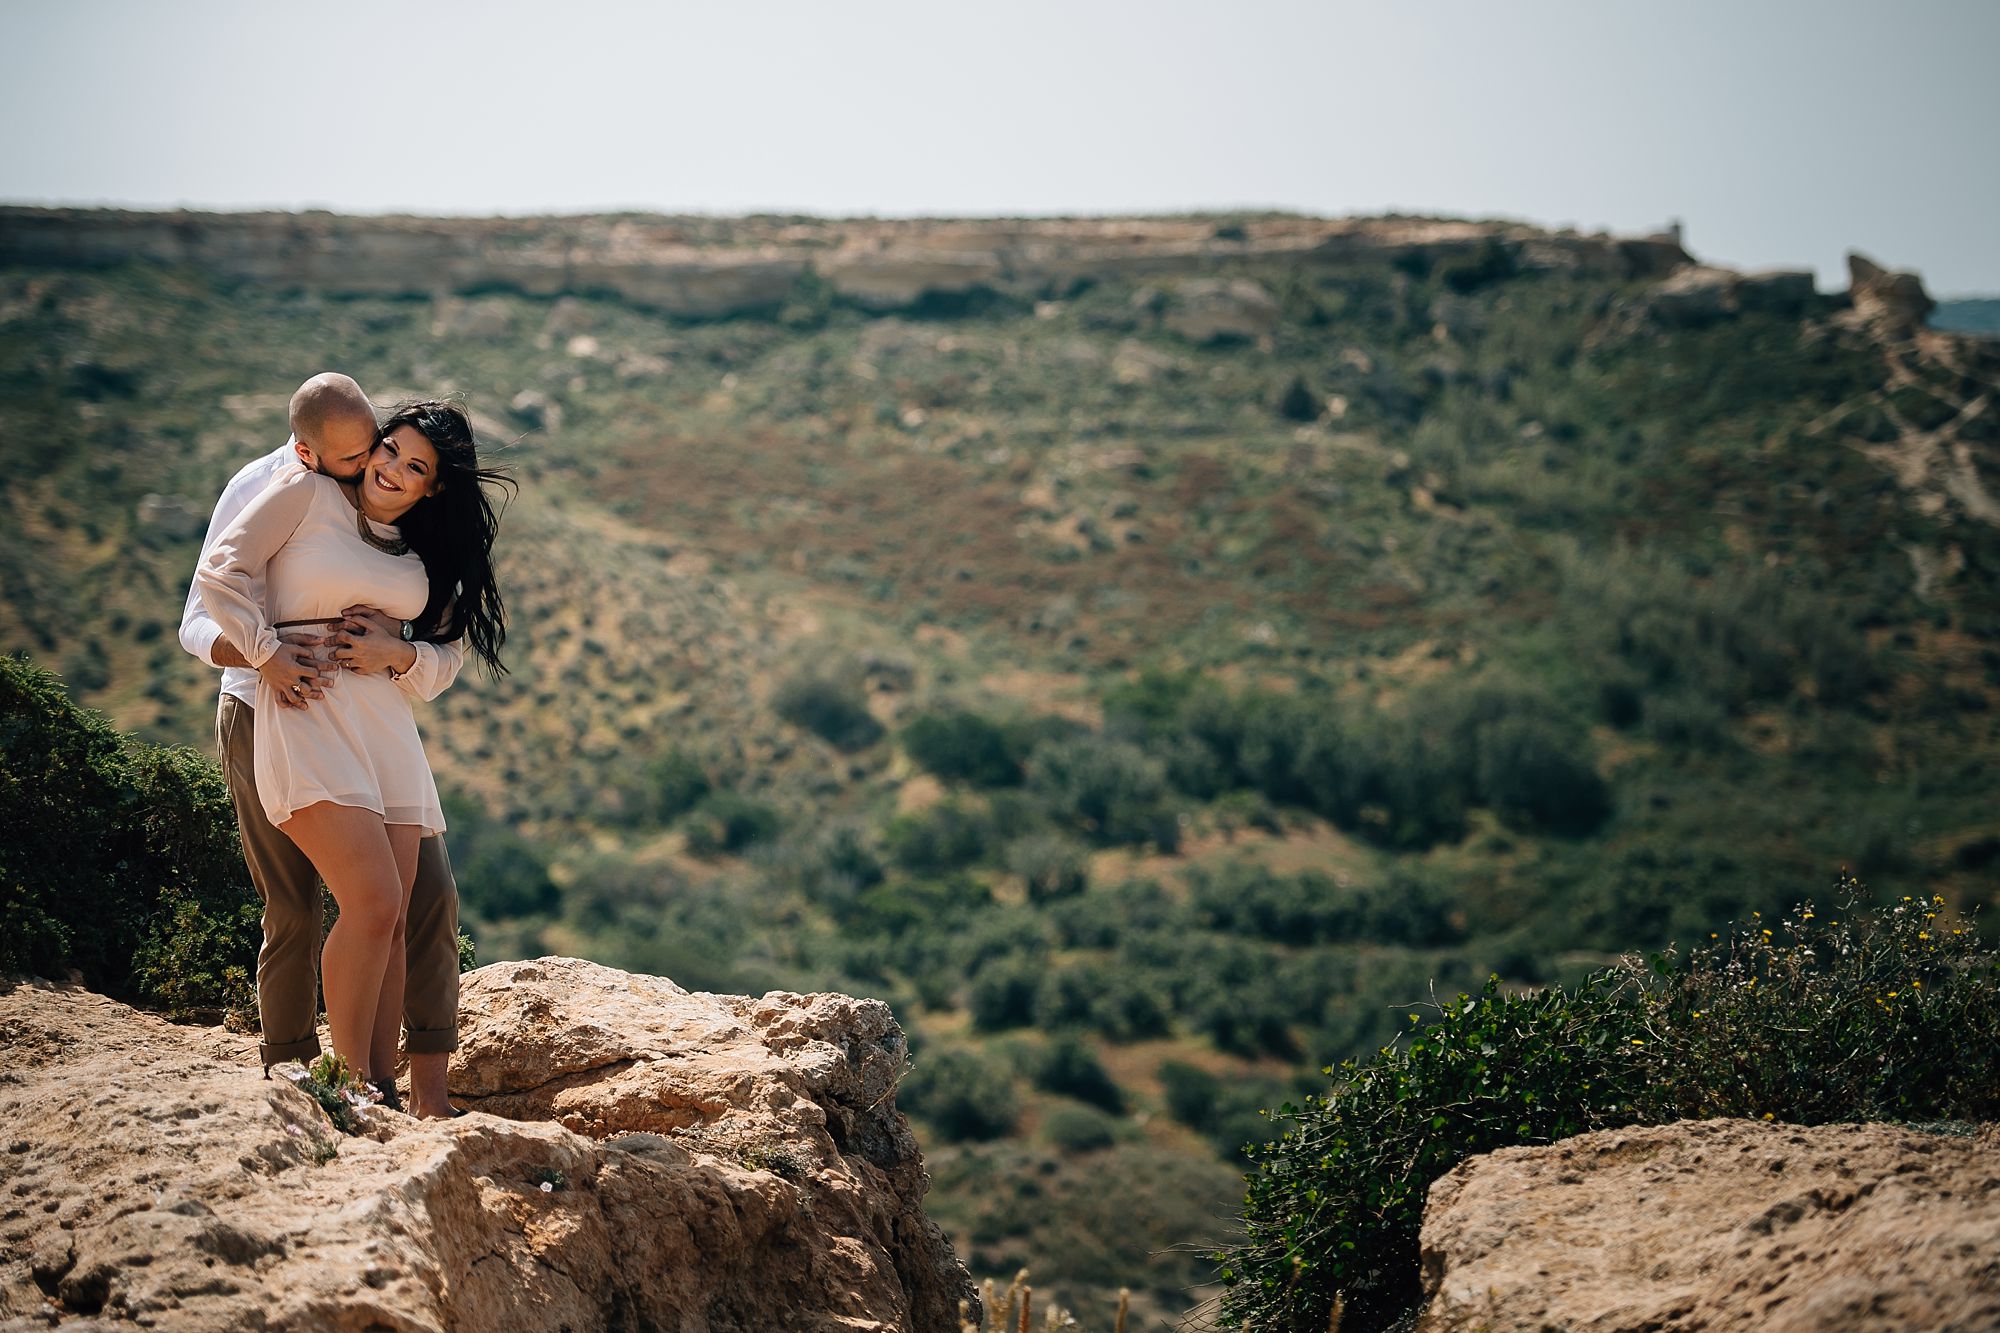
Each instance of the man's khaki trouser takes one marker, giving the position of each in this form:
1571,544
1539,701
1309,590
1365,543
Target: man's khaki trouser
288,963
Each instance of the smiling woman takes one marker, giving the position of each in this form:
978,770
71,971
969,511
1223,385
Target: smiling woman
428,452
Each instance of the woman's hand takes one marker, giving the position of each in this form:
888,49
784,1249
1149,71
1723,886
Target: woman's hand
369,641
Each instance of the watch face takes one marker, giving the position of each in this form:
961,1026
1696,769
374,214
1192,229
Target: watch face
409,631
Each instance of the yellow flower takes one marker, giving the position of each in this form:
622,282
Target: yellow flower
1697,1013
1923,934
1894,993
1769,1116
1637,1042
1767,934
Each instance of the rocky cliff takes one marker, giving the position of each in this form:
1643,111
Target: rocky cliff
703,267
641,1157
1721,1224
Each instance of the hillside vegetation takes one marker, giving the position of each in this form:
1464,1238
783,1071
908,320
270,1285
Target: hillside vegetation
1152,720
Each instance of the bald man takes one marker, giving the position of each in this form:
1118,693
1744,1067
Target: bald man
333,432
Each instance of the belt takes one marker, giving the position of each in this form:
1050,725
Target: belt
323,620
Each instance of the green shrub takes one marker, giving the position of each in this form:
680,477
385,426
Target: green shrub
675,783
199,956
936,840
962,746
1110,789
117,858
832,703
961,1094
1822,1017
1537,774
1050,865
1004,991
1079,1129
500,874
1069,1067
728,821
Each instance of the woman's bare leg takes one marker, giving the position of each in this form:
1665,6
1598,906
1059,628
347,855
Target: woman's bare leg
351,849
403,839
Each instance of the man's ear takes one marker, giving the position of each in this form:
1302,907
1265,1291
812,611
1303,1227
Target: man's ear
305,454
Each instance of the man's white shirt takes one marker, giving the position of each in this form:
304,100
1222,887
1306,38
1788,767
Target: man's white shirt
437,664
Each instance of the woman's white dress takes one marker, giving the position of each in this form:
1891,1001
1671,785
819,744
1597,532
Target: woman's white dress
296,553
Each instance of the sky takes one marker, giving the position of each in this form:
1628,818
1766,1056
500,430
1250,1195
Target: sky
1780,133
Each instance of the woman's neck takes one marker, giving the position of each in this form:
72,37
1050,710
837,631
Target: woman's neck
358,494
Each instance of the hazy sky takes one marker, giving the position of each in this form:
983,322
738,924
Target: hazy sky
1781,132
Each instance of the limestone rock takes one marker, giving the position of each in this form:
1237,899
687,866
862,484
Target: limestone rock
1696,294
1893,302
1720,1224
1209,310
646,1158
708,267
1783,291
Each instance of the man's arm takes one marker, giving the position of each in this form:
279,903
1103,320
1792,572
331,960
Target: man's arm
199,634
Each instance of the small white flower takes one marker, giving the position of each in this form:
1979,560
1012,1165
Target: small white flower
294,1131
548,1188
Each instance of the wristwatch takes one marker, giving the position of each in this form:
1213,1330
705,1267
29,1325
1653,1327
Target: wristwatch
409,631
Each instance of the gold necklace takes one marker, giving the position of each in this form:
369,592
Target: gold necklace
388,545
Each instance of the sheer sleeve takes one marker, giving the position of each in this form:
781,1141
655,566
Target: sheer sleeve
231,576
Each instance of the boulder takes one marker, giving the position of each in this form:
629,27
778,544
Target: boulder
1893,302
638,1157
1210,310
1696,294
1781,291
1720,1224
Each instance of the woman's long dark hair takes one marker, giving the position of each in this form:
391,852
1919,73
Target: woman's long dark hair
453,531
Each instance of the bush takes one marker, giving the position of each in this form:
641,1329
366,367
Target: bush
675,783
960,1094
1110,789
1536,774
727,821
832,704
962,746
936,840
1069,1067
1079,1129
500,875
117,858
1862,1016
1051,866
1004,991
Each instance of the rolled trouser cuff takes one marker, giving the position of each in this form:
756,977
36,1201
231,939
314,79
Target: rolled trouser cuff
430,1041
302,1051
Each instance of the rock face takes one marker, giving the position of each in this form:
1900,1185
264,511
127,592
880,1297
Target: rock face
1893,302
1720,1224
711,267
640,1158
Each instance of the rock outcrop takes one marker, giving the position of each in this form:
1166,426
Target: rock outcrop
1720,1224
1893,303
640,1157
700,267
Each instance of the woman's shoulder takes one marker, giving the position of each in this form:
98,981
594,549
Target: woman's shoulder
308,483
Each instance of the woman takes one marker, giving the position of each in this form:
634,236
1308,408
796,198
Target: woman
346,779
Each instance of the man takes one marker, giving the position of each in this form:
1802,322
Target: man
333,432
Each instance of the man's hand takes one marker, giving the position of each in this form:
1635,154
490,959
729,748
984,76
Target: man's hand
369,641
296,672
